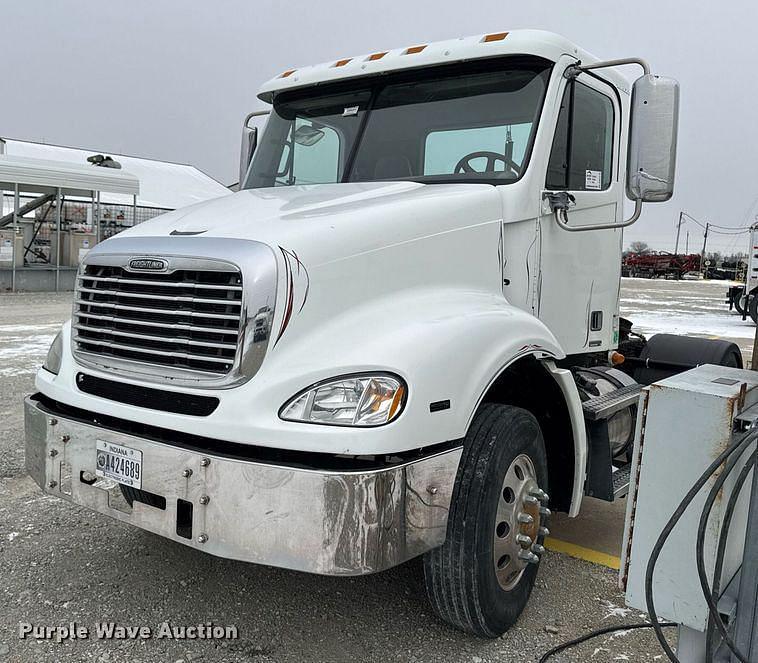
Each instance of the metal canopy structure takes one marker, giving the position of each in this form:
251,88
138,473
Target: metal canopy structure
51,181
45,176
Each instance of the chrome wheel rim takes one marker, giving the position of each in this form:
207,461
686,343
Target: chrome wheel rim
518,522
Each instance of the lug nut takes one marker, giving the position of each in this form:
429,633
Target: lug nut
187,473
65,438
544,531
524,540
53,453
544,511
530,499
202,538
537,549
205,462
204,499
541,495
528,557
525,519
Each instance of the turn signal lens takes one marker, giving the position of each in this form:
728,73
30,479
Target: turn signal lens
354,400
54,355
617,358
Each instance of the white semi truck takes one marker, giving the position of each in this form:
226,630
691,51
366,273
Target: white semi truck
397,339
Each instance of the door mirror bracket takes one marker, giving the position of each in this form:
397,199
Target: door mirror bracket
651,151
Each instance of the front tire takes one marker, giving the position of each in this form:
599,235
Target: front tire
480,579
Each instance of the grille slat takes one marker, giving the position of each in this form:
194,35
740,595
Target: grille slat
123,307
171,326
149,337
168,284
188,319
162,298
138,349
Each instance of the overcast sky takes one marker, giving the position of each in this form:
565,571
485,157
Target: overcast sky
173,79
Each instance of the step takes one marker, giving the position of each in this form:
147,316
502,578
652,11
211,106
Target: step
621,479
602,407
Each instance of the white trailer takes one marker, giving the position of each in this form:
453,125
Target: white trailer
390,342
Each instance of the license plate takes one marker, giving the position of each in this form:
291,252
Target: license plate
119,463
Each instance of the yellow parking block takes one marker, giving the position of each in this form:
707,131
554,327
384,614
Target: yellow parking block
572,550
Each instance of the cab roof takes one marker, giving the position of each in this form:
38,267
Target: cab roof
544,44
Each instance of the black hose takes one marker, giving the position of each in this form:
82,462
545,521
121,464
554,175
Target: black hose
721,550
699,556
736,447
595,634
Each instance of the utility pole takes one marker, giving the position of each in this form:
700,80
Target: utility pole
678,229
687,243
702,255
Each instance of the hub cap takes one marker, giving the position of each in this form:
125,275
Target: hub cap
518,522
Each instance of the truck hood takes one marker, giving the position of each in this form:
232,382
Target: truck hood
332,221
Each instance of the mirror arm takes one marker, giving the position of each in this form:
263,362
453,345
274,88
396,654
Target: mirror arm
250,116
574,70
560,201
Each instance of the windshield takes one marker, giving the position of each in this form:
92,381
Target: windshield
472,123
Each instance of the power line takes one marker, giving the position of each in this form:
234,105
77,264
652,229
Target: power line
711,226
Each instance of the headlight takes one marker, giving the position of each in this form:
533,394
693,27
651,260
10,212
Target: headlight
54,354
353,400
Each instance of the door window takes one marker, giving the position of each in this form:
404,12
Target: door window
582,152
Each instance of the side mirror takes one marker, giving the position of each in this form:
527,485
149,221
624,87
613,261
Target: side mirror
652,139
249,143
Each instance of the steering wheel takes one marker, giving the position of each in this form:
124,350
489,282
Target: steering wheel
464,165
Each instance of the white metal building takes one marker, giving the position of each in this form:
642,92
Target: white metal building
45,243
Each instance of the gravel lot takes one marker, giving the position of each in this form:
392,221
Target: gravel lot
60,563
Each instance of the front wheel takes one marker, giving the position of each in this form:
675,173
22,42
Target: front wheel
480,579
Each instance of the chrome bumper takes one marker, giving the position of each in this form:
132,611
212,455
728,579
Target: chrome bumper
334,523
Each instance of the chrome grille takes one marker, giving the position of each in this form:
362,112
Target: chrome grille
187,319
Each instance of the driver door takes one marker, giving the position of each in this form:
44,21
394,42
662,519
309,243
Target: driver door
579,271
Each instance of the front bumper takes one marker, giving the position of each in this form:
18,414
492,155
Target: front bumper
334,523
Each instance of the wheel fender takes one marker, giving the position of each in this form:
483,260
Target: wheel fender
578,430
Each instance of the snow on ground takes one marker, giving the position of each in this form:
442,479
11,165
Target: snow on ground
693,308
23,347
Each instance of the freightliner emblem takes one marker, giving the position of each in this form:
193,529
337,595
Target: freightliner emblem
148,264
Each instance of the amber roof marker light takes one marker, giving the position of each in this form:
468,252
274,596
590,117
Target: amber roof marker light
495,36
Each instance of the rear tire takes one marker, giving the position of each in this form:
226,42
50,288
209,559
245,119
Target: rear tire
739,301
752,307
470,583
